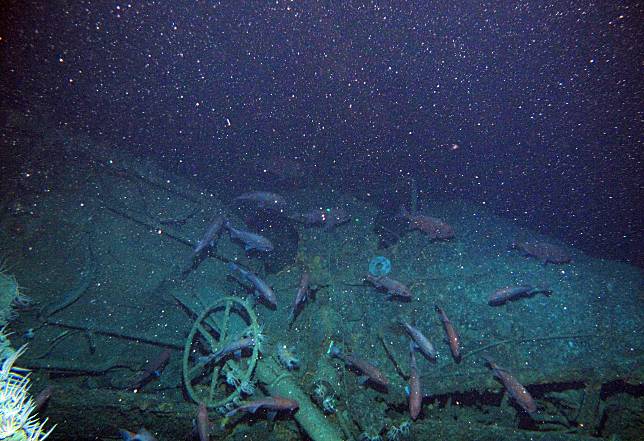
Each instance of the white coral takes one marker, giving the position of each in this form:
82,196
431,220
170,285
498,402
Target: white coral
22,301
6,350
393,434
9,291
247,387
328,405
319,392
18,421
405,428
287,358
232,375
17,418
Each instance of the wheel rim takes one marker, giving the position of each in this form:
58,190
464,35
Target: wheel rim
215,327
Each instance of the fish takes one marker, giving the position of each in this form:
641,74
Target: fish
328,218
516,390
178,221
436,229
210,236
452,336
393,287
424,345
543,251
270,403
301,296
84,282
43,397
509,293
415,389
234,347
141,435
261,288
264,199
370,371
250,240
203,425
284,169
152,370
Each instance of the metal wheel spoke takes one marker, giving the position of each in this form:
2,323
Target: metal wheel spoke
208,337
248,331
212,328
215,325
224,324
213,382
196,371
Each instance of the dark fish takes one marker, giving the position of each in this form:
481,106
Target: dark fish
415,390
363,366
393,287
436,229
152,370
234,347
514,388
43,397
250,240
284,169
545,252
141,435
177,221
264,199
261,288
452,336
203,425
328,218
210,236
302,295
500,296
423,343
269,403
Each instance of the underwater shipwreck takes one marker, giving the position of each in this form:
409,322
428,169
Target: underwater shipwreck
149,302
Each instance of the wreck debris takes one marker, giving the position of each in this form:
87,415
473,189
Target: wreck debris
71,296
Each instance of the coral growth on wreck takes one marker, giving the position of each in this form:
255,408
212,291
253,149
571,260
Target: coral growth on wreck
18,421
323,395
10,296
287,358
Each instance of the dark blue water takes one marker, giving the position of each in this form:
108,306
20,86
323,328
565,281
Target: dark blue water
128,128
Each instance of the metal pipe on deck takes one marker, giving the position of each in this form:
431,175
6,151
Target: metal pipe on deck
278,382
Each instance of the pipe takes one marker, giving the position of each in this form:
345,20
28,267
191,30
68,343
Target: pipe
279,382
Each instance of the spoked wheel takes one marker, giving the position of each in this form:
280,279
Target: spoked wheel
217,381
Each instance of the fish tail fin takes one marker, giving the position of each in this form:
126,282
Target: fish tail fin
230,414
514,245
542,288
126,435
496,369
489,360
396,325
